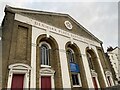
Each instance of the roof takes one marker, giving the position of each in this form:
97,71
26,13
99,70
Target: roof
36,12
114,50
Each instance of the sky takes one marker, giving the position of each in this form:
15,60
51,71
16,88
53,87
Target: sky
97,16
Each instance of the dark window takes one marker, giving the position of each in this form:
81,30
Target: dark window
44,55
70,55
75,79
109,81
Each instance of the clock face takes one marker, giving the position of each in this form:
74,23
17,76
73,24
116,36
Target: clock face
68,25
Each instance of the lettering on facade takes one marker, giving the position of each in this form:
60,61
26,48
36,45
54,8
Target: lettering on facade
54,29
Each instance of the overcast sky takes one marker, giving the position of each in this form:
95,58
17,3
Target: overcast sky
100,18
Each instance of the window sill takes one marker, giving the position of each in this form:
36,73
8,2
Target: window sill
47,66
77,86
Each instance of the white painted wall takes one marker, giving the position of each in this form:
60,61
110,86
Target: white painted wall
35,33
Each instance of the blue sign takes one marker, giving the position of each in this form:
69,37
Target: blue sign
74,67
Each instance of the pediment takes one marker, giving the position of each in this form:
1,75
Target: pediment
56,20
47,71
19,66
108,73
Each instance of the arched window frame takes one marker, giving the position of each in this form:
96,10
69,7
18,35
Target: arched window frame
72,55
46,62
90,61
19,68
109,78
77,74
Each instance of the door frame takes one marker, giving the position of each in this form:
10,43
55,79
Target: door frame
47,72
19,69
94,74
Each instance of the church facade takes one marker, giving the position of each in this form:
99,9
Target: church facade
50,50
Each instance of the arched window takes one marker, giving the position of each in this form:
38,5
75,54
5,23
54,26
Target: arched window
93,68
45,54
74,68
89,57
70,54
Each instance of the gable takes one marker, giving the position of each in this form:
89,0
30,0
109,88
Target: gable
56,20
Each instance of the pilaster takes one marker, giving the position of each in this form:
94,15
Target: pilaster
87,69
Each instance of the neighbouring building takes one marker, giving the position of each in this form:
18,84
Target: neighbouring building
0,58
50,50
114,59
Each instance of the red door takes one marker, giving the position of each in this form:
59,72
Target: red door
95,83
17,82
45,83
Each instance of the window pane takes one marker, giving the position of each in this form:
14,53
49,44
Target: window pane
70,55
109,81
44,55
47,57
75,79
89,57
